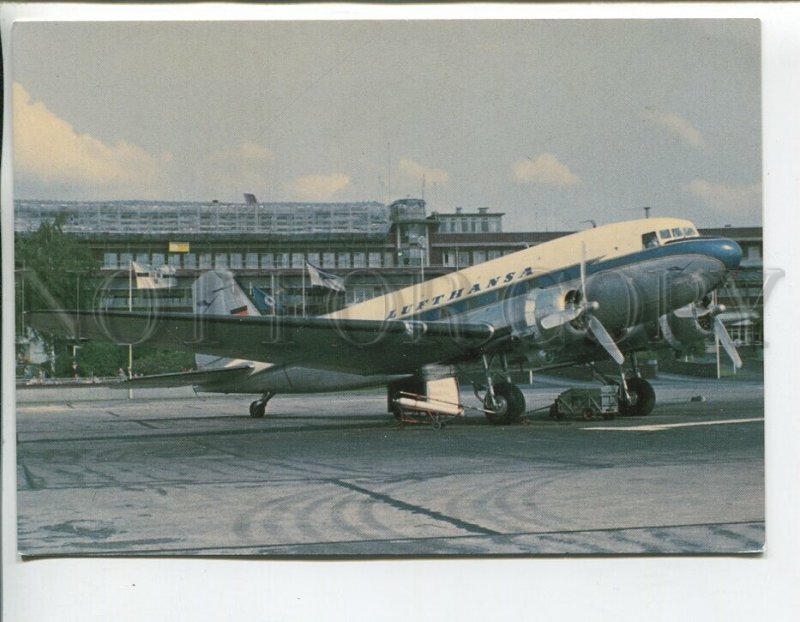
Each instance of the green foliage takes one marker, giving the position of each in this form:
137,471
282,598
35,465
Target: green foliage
101,359
51,264
149,361
106,359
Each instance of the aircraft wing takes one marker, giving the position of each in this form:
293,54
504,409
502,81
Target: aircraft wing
355,346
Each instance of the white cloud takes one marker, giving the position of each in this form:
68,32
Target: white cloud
48,150
415,172
676,124
742,199
317,187
49,155
546,170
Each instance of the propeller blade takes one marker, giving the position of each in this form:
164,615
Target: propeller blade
605,340
725,339
666,332
554,320
583,271
690,312
685,313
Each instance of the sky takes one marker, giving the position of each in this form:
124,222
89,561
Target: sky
551,122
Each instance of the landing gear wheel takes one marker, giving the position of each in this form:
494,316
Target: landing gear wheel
588,414
554,414
258,409
643,398
508,404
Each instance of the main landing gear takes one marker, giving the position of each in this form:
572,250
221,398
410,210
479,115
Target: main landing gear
258,408
637,398
503,402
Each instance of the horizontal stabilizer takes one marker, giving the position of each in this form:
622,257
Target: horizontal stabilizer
187,378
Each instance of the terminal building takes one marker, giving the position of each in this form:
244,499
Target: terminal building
374,247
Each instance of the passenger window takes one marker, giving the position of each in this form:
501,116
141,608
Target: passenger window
650,240
665,234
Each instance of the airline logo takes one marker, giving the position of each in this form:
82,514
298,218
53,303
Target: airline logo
462,292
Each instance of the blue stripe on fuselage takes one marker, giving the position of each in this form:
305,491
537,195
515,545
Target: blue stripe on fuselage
718,248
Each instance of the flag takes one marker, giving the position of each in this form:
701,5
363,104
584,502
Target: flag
323,279
264,302
150,279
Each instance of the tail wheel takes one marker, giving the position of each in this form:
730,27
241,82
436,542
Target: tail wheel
258,409
642,398
508,405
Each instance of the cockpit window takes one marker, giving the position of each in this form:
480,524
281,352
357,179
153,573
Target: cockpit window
676,232
650,240
690,232
665,234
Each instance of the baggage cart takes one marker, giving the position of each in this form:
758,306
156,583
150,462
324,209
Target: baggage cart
588,403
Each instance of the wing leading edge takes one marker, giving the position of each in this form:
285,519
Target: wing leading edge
355,346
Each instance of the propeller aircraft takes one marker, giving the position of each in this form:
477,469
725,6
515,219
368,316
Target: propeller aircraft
600,294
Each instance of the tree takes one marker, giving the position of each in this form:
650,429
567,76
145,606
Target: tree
53,271
56,271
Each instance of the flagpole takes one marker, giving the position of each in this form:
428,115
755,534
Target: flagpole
130,308
273,293
304,291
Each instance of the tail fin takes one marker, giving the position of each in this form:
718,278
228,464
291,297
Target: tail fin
216,292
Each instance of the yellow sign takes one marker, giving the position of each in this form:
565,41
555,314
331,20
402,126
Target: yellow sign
179,247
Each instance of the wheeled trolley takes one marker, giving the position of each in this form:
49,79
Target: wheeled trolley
430,401
589,403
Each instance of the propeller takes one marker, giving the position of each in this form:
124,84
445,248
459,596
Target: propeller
585,307
605,340
713,310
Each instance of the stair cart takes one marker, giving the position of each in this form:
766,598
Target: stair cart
430,401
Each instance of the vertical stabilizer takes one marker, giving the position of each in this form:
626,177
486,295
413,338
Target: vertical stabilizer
216,292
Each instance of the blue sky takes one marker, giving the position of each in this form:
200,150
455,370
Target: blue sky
551,122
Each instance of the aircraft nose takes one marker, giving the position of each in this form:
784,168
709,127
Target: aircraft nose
728,252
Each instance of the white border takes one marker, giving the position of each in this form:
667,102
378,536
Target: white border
596,589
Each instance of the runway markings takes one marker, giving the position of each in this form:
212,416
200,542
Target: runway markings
667,426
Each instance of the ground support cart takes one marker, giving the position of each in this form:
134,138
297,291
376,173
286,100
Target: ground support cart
587,403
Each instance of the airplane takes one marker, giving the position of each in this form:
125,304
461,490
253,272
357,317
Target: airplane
591,296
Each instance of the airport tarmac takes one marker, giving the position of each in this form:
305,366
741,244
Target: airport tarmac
334,475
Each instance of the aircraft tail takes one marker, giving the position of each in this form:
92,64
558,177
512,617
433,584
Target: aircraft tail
216,292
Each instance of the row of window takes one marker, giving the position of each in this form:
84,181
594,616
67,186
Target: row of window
463,258
270,261
250,261
275,218
469,224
